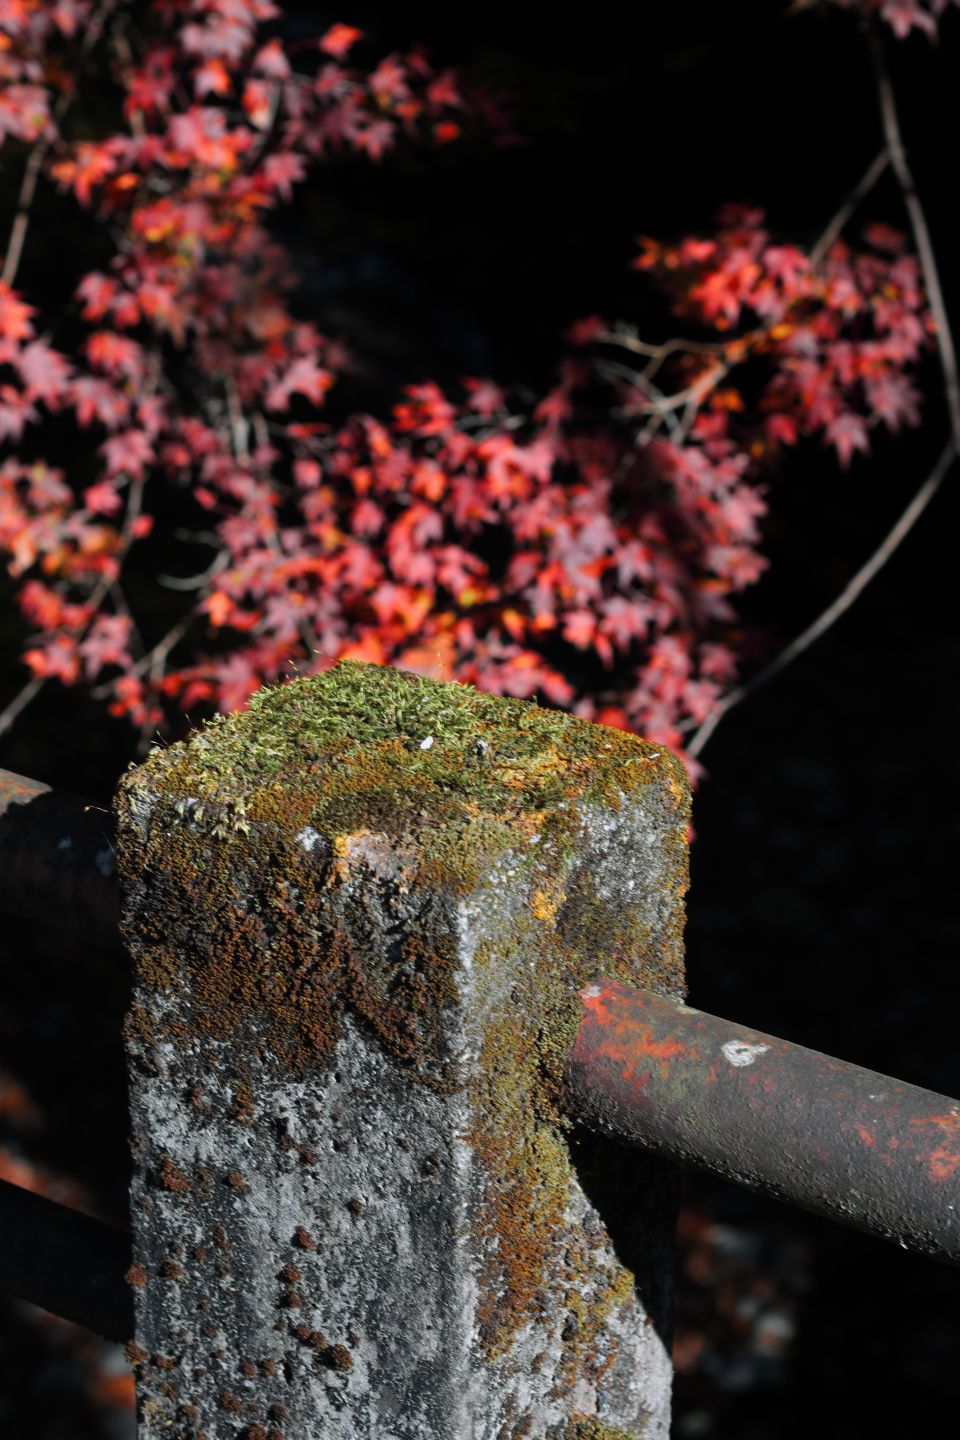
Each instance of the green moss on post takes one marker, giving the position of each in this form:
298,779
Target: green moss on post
407,882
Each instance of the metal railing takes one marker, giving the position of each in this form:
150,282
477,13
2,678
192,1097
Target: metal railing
846,1142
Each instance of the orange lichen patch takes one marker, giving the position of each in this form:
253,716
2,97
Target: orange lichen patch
338,1357
171,1177
588,1427
241,1106
544,905
527,1186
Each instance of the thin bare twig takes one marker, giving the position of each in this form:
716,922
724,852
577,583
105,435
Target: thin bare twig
152,661
33,687
858,194
39,152
690,398
894,154
20,702
629,341
657,406
850,593
921,233
197,582
239,425
21,222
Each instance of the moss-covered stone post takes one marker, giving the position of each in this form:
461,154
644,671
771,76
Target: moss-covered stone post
360,914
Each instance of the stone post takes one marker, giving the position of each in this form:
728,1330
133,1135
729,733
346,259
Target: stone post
360,915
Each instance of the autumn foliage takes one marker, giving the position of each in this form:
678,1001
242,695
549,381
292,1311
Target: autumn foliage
584,545
469,534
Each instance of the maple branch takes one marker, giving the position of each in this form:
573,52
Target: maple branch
921,233
155,658
627,340
152,660
21,222
39,152
850,593
122,607
658,406
238,423
124,49
500,421
198,581
690,398
106,582
893,154
20,702
857,195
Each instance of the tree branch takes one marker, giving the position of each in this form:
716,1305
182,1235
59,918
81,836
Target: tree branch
850,593
34,165
20,702
858,194
21,222
921,233
893,154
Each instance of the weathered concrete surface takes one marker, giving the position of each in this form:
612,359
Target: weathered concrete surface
360,914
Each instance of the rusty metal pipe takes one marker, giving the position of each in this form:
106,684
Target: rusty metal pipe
775,1117
65,1262
57,859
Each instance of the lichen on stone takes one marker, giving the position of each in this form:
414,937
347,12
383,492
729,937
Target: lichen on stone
325,852
588,1427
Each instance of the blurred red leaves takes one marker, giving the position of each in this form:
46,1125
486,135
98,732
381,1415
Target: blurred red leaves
471,533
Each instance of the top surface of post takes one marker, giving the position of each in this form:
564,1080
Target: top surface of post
423,785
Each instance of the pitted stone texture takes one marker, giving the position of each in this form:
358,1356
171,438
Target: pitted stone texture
393,1237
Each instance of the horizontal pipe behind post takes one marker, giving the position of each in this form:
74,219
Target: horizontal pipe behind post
65,1262
58,860
845,1142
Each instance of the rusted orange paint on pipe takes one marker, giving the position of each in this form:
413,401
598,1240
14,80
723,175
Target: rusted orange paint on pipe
776,1117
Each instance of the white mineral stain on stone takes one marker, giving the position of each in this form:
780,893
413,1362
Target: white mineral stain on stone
308,837
738,1052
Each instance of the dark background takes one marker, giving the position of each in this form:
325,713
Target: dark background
823,906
